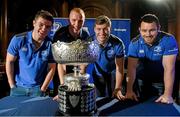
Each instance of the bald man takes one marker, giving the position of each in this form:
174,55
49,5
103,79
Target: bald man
70,33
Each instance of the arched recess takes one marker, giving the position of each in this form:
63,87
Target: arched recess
96,10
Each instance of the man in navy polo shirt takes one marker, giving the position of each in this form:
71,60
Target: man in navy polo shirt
151,58
108,69
70,33
29,62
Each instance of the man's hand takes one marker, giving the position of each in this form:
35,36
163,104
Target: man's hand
118,94
56,98
165,99
131,95
42,94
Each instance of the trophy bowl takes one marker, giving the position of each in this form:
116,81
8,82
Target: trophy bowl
75,52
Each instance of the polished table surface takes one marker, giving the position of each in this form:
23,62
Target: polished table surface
45,106
27,106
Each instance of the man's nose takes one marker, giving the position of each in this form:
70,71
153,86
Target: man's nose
148,33
45,28
76,23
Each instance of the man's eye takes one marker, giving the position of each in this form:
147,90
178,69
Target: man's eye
143,30
48,27
40,25
153,30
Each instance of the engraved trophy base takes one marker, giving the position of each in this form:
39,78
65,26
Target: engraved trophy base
77,102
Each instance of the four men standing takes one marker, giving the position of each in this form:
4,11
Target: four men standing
151,58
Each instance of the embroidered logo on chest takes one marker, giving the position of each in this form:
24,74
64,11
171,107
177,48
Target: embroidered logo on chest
141,51
24,49
110,53
44,53
157,49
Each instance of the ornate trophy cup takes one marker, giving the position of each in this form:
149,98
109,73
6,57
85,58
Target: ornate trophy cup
77,96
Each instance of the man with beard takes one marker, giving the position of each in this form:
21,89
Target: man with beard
151,60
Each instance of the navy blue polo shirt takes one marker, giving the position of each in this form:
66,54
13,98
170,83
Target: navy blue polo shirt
151,56
114,48
32,66
63,35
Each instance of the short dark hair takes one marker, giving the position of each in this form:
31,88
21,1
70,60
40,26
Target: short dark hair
44,14
102,19
149,18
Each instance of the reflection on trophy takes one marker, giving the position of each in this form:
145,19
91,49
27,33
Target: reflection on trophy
77,96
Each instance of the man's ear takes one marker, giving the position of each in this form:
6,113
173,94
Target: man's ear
159,27
34,22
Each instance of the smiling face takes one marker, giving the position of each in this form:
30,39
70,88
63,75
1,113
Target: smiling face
102,29
149,31
41,28
102,32
76,19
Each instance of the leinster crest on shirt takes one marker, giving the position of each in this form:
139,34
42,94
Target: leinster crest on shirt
157,49
110,53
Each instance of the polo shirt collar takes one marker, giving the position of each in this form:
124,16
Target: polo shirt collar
107,44
156,41
80,35
29,37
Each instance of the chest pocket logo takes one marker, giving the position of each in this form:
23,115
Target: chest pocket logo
110,54
44,55
24,49
141,53
157,51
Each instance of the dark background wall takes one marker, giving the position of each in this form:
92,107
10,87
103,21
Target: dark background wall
21,12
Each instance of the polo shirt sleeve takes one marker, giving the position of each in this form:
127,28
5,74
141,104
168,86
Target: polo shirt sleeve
85,33
171,46
120,50
13,47
132,50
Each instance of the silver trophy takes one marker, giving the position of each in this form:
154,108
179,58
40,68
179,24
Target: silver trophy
77,95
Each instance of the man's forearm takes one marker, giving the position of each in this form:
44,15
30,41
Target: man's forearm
119,80
11,82
130,80
48,78
130,83
61,73
10,74
168,83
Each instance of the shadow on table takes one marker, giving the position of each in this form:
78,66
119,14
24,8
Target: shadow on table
113,107
107,106
27,106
